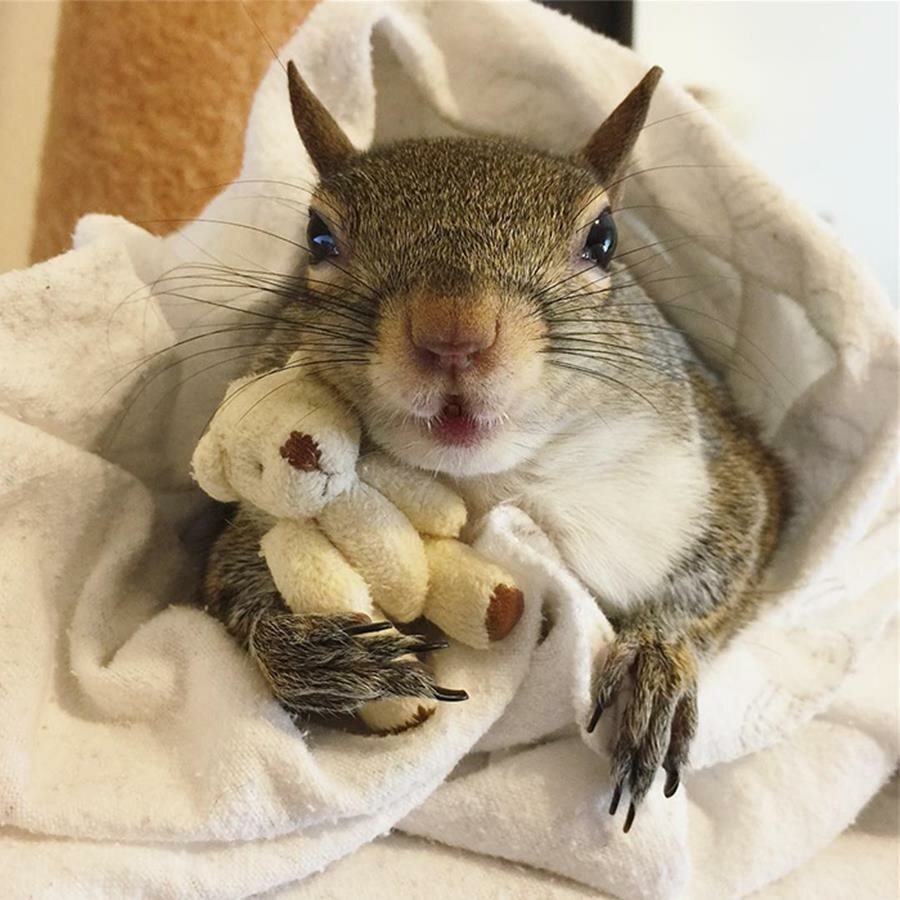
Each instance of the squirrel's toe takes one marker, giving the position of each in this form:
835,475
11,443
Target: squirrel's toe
504,610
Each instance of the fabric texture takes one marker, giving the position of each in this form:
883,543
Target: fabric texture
141,754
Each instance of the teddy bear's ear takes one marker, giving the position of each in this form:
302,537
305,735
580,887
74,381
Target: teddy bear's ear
208,468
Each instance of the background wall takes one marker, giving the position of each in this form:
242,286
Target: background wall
811,91
810,88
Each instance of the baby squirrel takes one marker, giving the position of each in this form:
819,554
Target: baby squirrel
463,296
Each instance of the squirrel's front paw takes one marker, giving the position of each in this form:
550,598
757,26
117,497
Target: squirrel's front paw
658,719
332,665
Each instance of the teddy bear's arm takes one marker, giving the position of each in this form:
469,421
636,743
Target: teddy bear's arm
431,507
310,573
382,545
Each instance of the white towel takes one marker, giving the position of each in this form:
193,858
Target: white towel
140,753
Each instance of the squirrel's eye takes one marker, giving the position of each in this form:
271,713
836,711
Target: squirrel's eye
601,240
319,239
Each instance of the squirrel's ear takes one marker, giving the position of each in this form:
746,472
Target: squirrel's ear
208,468
328,146
612,143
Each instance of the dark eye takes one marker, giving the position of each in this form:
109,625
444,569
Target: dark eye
319,239
601,240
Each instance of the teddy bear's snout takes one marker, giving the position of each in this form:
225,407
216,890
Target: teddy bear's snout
301,451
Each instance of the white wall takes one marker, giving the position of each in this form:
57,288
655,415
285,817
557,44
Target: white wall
811,90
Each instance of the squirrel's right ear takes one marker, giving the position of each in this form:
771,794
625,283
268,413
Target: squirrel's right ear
611,144
328,146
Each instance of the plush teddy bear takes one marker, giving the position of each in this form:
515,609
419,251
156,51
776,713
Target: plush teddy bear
350,534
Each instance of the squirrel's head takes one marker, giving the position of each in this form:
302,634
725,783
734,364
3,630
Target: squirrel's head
445,275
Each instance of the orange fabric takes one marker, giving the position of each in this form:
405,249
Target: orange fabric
149,103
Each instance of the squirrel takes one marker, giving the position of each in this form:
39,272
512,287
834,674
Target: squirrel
463,296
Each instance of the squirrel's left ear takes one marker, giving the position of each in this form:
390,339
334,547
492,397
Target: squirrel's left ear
325,142
611,144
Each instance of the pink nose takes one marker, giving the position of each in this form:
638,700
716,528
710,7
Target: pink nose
455,356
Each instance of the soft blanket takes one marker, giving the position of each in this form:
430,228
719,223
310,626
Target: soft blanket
140,753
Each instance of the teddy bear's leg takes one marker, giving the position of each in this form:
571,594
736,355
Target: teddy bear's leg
311,574
470,599
398,714
381,544
431,507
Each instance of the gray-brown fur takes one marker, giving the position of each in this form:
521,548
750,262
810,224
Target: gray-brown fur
458,220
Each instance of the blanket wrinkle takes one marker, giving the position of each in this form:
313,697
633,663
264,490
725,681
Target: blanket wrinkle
141,753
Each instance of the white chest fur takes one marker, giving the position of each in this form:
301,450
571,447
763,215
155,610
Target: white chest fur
620,501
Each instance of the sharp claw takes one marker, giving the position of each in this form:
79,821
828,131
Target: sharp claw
595,718
616,797
448,695
427,648
672,781
629,819
367,628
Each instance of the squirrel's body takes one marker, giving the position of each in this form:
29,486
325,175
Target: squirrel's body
462,299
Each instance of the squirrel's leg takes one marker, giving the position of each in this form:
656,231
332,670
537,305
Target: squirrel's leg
470,599
323,664
709,596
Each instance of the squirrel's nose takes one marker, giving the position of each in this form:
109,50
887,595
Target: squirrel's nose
455,355
454,333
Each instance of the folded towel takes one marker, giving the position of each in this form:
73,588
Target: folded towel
141,754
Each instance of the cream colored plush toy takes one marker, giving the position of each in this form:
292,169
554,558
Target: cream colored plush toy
348,534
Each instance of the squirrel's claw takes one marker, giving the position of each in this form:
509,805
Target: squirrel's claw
448,695
616,797
367,628
673,779
629,819
429,647
595,718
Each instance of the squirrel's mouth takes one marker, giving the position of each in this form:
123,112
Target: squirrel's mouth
455,425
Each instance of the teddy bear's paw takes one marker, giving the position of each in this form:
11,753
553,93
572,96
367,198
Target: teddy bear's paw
394,716
472,600
504,611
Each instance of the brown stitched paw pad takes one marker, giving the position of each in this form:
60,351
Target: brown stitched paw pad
504,610
423,713
301,451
